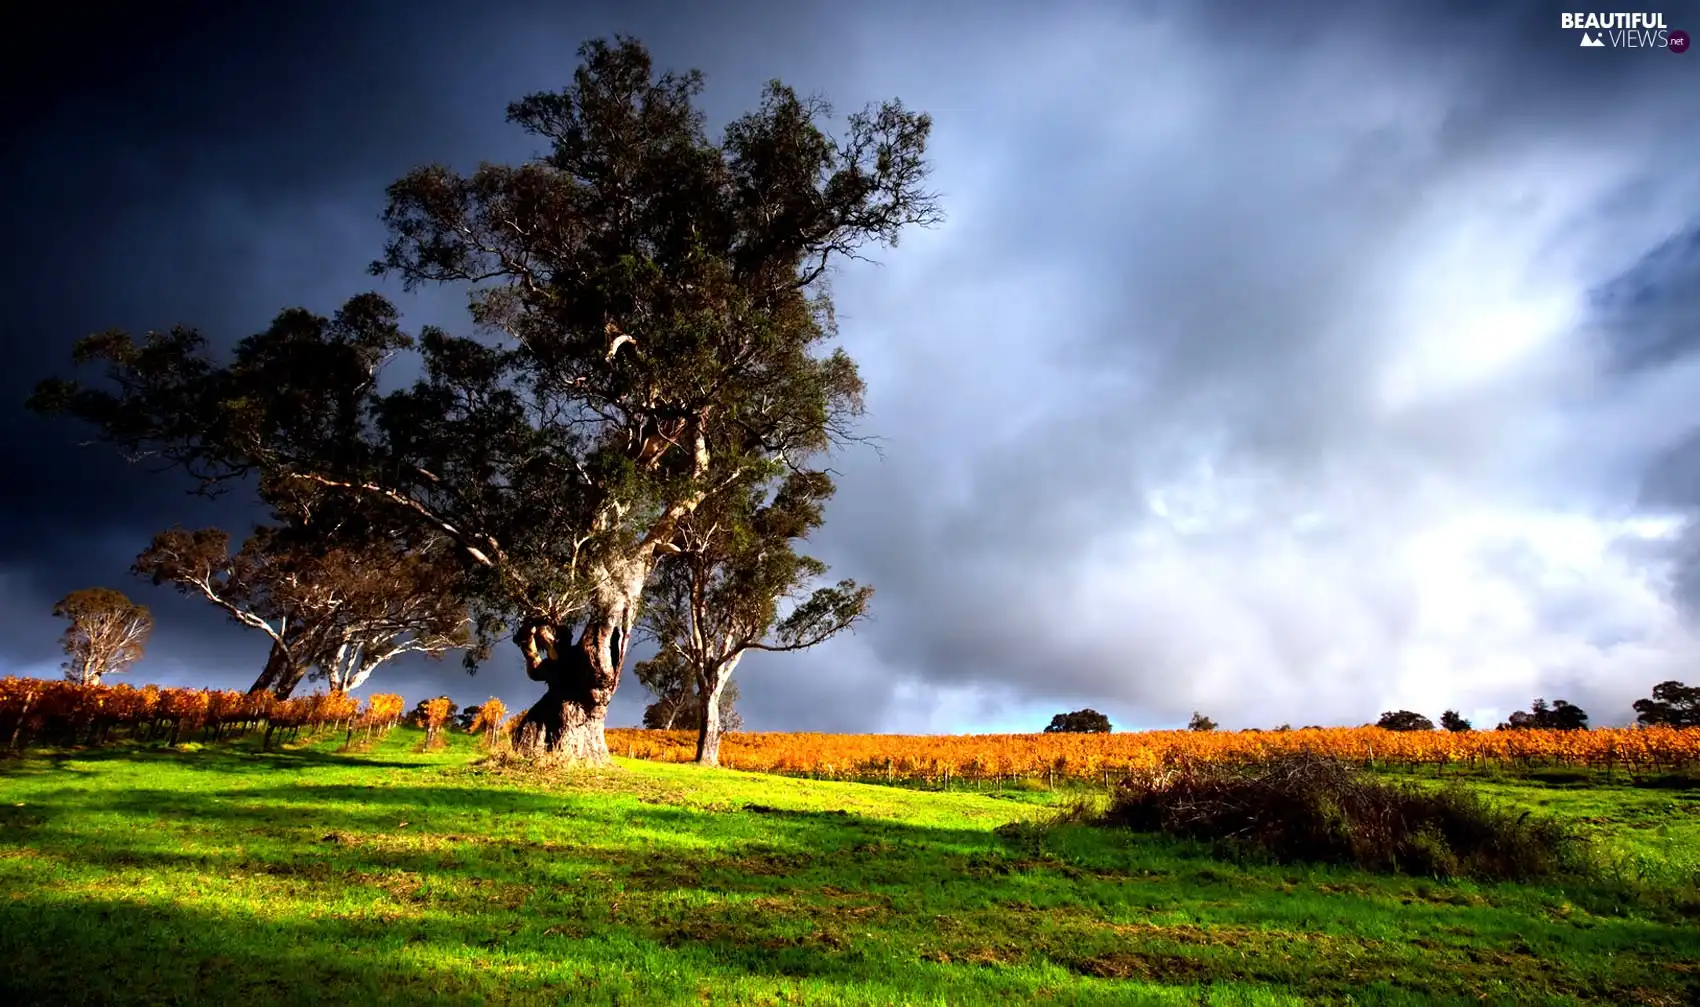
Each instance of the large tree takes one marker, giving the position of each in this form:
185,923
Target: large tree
724,586
106,634
649,318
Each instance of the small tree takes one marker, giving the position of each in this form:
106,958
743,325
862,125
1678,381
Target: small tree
1672,705
1454,722
1404,720
719,590
1200,722
420,715
489,719
1079,722
434,713
678,704
1560,716
106,634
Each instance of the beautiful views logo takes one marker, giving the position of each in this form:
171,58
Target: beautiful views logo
1626,31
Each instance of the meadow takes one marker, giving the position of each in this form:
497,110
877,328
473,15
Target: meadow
140,873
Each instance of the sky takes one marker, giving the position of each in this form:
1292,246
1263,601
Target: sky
1286,362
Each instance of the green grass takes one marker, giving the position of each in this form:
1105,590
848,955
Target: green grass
224,875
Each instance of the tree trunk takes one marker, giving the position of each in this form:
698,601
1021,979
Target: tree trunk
281,674
708,735
582,674
581,677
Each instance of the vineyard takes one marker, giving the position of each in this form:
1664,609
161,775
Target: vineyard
973,759
36,711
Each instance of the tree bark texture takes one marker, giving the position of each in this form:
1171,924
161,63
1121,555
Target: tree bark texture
281,674
581,675
708,735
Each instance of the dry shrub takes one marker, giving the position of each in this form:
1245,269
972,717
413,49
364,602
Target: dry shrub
1311,808
524,750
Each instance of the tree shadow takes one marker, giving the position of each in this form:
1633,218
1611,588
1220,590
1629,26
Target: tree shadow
568,905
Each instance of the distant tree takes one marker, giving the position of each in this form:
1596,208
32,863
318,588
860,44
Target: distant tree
1453,721
1672,705
1560,716
719,589
468,716
1404,720
678,701
1079,722
1200,722
106,634
649,309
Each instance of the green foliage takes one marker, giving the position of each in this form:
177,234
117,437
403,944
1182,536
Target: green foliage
1453,721
1079,722
1200,722
719,591
1672,705
678,699
1560,716
1404,720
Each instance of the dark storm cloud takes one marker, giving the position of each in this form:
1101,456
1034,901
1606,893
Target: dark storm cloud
1244,257
210,166
1252,371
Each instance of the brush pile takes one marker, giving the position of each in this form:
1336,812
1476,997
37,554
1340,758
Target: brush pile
1308,808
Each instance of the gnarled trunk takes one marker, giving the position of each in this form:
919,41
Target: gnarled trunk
281,674
711,686
582,674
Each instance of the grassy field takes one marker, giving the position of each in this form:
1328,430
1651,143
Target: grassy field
229,876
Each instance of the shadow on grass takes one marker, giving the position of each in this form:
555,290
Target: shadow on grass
243,753
298,892
426,912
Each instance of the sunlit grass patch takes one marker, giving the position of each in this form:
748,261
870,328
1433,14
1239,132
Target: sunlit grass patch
139,876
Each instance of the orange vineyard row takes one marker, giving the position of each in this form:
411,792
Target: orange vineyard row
35,710
939,758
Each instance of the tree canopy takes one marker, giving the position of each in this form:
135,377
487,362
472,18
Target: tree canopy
678,703
106,635
1672,705
1404,720
1561,715
1079,722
